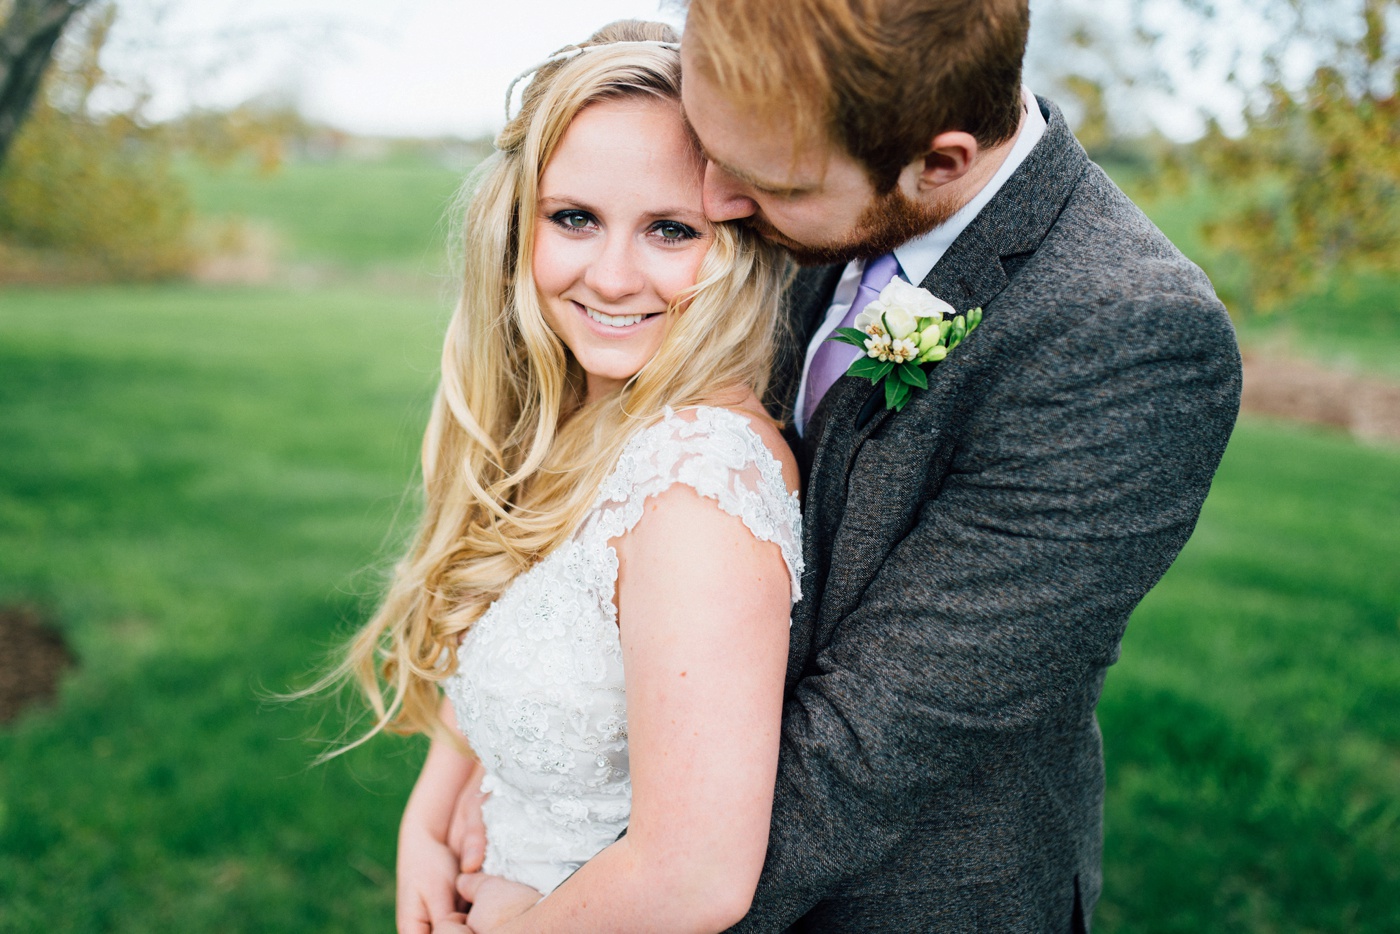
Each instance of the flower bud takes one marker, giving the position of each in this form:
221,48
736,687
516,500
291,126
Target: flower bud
899,321
930,336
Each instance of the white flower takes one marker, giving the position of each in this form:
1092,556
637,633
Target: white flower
891,350
899,306
878,346
899,321
902,351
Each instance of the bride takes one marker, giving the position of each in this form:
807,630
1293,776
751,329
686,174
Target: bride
596,602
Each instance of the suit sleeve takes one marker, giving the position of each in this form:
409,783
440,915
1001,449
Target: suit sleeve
1074,484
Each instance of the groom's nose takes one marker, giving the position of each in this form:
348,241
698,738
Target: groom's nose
724,197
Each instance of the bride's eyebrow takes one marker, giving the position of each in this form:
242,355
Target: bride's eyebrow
689,215
558,201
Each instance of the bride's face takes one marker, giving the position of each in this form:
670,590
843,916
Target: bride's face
620,231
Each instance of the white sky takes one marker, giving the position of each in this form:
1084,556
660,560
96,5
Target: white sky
429,67
395,67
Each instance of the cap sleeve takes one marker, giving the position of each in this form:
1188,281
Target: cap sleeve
717,453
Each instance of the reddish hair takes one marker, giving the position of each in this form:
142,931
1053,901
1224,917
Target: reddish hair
878,78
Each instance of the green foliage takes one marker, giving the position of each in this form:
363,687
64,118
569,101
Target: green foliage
99,191
1314,180
1320,175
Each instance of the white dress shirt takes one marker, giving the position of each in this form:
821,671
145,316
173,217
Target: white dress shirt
917,257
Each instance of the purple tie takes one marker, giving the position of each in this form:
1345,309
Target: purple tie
833,358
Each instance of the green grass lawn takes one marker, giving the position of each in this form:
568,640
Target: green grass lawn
202,485
389,212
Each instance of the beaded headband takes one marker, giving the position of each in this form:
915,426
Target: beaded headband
571,53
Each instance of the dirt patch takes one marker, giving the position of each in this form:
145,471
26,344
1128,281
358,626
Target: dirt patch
33,657
1367,408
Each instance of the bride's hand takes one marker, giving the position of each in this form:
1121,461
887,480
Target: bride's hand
427,873
455,923
494,900
466,833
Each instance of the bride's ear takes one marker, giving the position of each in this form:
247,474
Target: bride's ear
948,158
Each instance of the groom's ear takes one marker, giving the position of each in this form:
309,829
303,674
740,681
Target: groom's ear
949,157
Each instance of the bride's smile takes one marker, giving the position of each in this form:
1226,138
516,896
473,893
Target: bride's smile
620,234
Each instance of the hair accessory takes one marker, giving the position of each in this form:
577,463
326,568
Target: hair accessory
571,53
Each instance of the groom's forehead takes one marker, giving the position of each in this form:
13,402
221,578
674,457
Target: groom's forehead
758,152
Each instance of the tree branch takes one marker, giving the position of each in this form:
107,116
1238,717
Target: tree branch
27,40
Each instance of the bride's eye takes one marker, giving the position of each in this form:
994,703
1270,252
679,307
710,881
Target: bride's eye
572,219
674,231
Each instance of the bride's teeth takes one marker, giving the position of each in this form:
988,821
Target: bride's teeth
613,321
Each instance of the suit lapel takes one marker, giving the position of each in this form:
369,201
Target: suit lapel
806,301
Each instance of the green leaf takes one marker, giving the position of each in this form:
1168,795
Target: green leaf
896,393
913,375
853,336
868,367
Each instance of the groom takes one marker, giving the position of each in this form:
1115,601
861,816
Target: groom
971,560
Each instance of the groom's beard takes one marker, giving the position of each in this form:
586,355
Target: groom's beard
889,221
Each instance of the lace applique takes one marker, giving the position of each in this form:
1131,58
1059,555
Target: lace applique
539,689
720,456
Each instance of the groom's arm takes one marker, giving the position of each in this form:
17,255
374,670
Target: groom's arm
1078,481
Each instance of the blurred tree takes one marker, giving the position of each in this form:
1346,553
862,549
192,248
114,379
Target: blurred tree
29,30
89,194
1298,99
1317,170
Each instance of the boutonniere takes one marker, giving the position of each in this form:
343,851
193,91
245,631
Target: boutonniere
903,333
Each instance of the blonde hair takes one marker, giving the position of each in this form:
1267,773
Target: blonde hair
513,457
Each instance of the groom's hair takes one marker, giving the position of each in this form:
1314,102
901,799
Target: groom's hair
878,78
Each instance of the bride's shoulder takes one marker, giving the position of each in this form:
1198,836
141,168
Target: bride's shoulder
747,424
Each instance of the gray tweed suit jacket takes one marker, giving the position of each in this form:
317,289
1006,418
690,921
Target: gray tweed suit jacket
972,562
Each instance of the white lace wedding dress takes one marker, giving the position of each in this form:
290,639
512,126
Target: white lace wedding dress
539,690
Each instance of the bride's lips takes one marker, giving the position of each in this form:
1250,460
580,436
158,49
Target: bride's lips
613,330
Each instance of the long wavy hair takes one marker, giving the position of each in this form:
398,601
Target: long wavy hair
513,456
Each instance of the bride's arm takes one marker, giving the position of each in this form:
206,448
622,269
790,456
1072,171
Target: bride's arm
703,609
428,862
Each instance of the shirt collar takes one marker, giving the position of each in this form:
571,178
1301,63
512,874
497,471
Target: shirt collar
917,257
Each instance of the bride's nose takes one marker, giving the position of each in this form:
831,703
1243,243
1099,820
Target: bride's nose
615,271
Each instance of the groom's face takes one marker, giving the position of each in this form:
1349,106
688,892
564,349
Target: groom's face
816,201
